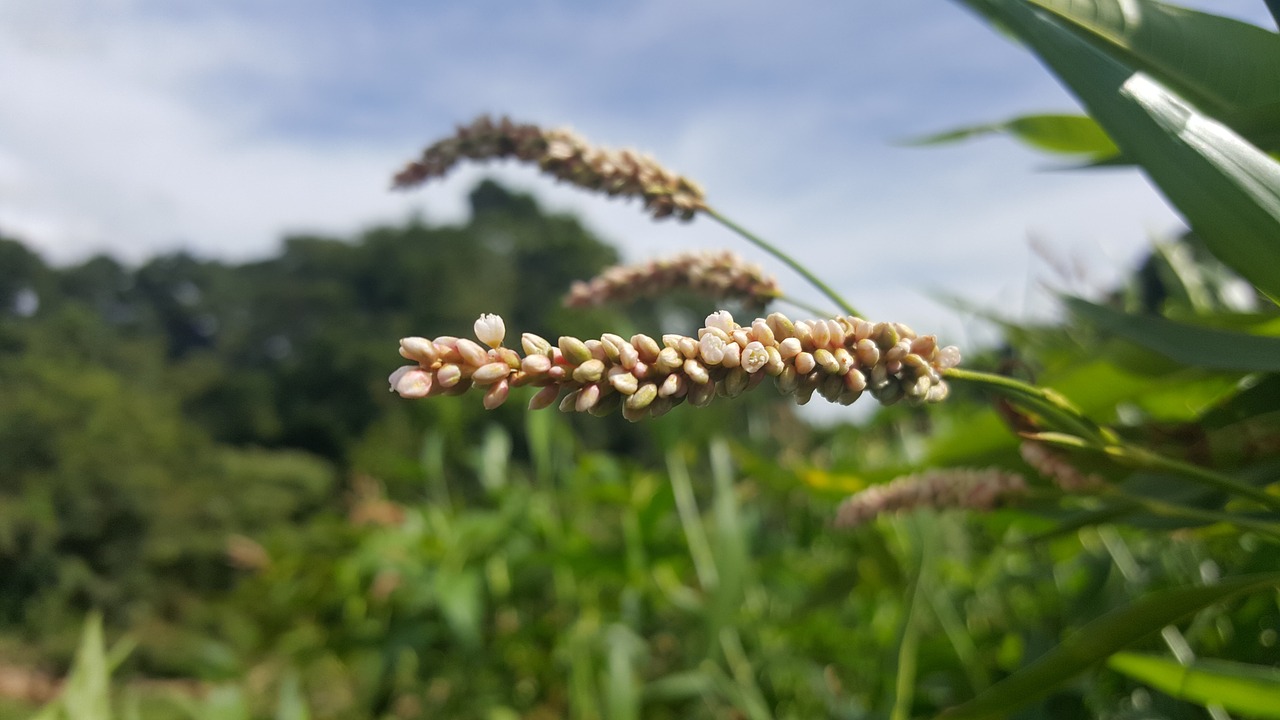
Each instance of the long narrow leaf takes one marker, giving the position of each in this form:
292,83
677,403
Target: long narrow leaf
1249,689
1187,344
1100,639
1225,67
1228,190
1055,133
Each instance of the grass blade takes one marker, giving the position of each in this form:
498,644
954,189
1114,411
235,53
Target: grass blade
1100,639
1249,689
1193,345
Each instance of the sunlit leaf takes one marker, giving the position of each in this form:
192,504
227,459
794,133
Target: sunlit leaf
1237,687
1225,67
1228,190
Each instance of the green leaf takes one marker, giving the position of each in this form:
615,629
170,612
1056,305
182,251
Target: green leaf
87,692
1064,134
1237,687
1188,344
291,704
1100,639
1228,190
1259,396
1225,67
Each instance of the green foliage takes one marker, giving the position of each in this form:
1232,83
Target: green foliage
1101,639
1236,687
206,453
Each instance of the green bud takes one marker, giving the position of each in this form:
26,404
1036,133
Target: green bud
574,350
735,383
641,398
534,344
588,372
781,326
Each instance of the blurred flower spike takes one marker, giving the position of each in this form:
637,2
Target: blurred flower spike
564,155
982,490
722,275
837,358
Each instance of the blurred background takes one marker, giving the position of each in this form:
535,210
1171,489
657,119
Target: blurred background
203,275
135,128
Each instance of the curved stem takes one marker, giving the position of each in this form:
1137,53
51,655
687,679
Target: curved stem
1090,436
909,640
1147,460
1166,509
1056,408
785,258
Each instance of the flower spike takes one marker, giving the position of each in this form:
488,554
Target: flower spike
831,357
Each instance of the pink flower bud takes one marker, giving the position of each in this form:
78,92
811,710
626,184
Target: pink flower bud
411,381
688,347
496,394
732,355
761,332
789,348
589,371
668,360
536,364
574,350
544,398
448,375
675,385
805,363
587,398
472,354
490,373
821,334
625,383
948,357
696,371
534,345
647,347
419,349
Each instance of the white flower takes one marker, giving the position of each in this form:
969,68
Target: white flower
723,320
711,349
490,330
754,357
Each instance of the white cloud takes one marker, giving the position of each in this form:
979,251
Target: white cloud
134,132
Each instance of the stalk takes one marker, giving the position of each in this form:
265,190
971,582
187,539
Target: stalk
786,259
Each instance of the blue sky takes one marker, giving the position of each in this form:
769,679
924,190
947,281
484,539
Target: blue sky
136,127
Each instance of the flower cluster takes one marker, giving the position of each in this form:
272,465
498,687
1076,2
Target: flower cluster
837,358
717,274
1057,468
564,155
938,489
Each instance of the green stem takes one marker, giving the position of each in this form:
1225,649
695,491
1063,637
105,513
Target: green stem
1060,411
909,644
1145,459
1166,509
785,258
1056,408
